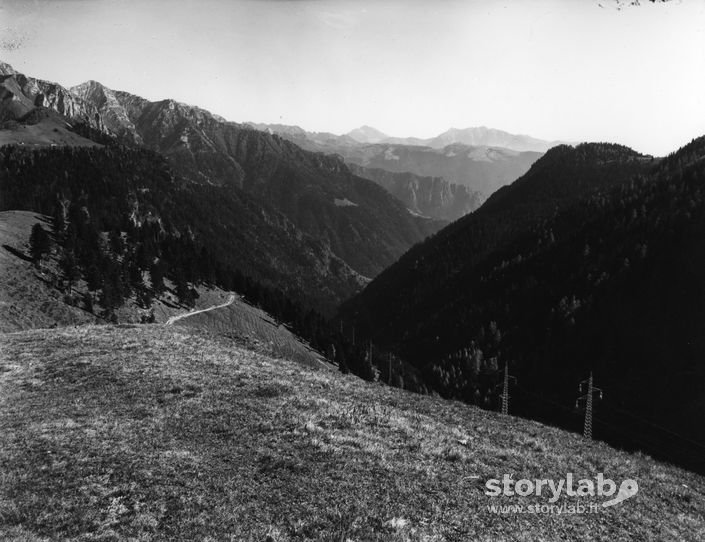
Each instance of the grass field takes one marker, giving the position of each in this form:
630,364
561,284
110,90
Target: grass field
165,433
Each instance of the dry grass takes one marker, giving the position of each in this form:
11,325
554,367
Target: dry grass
162,433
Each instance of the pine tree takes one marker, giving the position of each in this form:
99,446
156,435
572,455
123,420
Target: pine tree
39,243
156,277
116,243
69,269
93,278
58,224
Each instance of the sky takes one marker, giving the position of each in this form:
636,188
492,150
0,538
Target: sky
571,70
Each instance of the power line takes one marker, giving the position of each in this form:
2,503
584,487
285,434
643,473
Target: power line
627,437
656,426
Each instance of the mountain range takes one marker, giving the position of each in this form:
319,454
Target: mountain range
480,167
369,233
275,188
479,136
20,95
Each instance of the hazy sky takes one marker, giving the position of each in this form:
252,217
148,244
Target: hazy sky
567,69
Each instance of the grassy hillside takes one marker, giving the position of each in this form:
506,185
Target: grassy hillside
27,297
48,131
243,321
31,295
160,433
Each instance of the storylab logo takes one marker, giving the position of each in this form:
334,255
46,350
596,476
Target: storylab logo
600,487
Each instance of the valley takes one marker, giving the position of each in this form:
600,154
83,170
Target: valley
352,271
219,207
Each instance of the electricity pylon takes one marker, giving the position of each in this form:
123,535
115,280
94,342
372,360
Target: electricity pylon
588,398
505,388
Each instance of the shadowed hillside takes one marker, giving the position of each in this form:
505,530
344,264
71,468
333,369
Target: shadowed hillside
590,262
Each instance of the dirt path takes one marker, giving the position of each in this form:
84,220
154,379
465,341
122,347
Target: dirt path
173,319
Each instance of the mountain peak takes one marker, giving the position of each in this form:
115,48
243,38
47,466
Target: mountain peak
6,69
367,134
93,91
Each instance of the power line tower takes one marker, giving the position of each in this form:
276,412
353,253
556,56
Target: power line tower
588,398
505,388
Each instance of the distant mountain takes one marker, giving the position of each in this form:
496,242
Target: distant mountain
490,137
324,142
481,169
427,196
592,261
479,136
367,134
